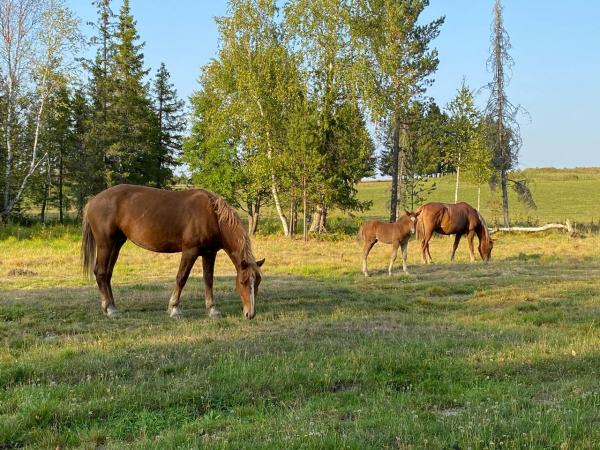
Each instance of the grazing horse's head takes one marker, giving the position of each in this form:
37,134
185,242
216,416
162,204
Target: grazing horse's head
246,284
412,217
485,248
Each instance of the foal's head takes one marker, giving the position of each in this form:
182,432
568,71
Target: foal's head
246,284
412,220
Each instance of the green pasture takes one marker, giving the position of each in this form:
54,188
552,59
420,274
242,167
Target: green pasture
461,355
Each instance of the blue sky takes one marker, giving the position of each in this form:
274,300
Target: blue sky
556,76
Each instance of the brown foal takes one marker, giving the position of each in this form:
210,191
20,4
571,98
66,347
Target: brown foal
397,233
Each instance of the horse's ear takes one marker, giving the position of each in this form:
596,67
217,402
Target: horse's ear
260,263
244,264
408,213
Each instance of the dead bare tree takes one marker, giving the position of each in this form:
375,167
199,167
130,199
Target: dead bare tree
504,131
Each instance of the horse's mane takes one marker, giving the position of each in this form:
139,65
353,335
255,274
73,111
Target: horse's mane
230,222
484,228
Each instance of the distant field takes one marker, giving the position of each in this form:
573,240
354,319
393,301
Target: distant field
458,355
560,194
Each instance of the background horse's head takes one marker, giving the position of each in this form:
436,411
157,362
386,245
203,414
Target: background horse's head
412,217
246,284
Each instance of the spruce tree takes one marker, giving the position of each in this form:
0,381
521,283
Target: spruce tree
134,125
171,125
101,92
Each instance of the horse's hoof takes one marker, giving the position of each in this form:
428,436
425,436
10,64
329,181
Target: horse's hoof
366,274
214,313
176,313
112,312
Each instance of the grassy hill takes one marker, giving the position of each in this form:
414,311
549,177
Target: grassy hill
560,194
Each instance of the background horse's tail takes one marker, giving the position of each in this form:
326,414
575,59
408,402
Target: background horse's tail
88,247
419,230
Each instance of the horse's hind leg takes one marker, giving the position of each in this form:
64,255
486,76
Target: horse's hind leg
188,258
107,251
470,237
395,246
455,245
118,242
425,247
366,249
208,270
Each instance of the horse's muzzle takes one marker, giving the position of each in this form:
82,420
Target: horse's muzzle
249,315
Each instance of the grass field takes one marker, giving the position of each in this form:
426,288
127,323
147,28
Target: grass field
457,355
462,355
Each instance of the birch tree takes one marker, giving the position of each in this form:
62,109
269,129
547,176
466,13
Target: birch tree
37,41
462,131
397,65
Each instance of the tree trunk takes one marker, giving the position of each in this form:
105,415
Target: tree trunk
478,196
253,217
304,211
293,217
395,158
46,193
456,187
315,220
505,198
61,216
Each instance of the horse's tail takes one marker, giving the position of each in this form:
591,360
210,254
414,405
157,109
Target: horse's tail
419,228
88,247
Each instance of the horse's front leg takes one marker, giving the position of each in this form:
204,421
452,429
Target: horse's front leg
470,237
208,270
455,245
188,258
395,246
404,245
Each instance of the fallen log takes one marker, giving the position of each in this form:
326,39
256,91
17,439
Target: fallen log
568,227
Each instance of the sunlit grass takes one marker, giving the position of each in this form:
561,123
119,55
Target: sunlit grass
462,355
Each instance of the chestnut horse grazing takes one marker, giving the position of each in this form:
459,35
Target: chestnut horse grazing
194,222
457,219
396,233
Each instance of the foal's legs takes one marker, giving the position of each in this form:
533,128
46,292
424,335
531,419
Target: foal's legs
470,237
455,245
208,270
395,245
188,258
404,246
366,249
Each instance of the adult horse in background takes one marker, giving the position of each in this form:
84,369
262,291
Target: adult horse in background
194,222
397,233
457,219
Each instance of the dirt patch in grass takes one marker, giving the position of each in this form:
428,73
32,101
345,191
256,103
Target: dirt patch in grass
19,272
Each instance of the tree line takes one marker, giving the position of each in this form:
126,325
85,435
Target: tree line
73,126
287,115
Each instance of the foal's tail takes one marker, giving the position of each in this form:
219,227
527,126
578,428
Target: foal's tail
419,229
88,247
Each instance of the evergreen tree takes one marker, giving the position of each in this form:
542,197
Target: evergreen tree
171,125
133,124
101,90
